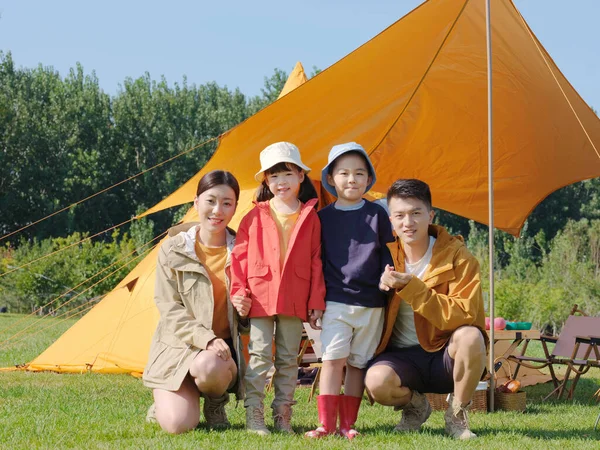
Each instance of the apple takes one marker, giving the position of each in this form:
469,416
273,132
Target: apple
487,323
499,323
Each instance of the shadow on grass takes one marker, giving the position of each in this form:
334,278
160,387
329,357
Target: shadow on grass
587,434
586,387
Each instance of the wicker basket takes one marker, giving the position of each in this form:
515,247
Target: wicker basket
438,401
510,401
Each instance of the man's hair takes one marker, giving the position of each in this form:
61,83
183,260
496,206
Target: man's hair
410,188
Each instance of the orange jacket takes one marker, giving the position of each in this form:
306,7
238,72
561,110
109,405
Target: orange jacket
448,297
296,287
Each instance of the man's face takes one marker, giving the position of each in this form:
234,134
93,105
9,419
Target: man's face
410,219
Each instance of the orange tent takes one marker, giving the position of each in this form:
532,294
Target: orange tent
415,97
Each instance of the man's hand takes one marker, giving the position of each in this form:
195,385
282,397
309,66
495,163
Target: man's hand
313,316
242,303
220,347
390,279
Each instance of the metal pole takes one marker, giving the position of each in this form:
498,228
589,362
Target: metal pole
488,34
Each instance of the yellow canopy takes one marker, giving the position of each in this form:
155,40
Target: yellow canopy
415,97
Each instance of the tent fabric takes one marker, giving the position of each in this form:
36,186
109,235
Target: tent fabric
415,97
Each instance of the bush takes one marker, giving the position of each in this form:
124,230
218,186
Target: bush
41,282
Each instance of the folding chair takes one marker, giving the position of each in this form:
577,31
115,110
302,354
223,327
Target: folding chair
573,348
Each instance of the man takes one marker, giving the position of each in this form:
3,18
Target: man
434,336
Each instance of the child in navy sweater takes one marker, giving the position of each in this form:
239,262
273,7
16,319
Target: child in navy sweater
354,235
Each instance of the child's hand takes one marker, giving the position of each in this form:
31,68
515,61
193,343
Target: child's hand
313,316
242,303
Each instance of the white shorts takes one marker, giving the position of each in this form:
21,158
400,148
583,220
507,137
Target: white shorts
351,332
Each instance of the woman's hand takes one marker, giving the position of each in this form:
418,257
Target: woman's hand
313,316
242,303
220,347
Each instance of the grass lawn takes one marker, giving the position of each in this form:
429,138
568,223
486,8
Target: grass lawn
47,410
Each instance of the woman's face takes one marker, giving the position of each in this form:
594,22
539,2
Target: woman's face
215,207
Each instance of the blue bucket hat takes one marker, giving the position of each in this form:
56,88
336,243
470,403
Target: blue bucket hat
337,151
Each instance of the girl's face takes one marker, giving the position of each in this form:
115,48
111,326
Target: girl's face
215,207
285,185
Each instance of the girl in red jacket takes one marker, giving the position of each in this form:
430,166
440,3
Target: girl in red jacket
277,263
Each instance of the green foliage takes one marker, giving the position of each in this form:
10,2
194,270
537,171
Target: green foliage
64,139
48,279
567,272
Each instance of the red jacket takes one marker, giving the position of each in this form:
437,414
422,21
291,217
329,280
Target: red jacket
255,264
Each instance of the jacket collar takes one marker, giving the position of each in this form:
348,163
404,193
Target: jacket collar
265,207
183,255
444,249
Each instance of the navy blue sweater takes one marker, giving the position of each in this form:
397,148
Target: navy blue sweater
354,253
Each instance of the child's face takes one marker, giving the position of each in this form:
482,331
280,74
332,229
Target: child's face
410,219
285,185
350,177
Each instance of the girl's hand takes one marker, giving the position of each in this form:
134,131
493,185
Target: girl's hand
242,303
313,316
220,347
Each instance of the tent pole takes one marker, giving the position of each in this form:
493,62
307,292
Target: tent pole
488,33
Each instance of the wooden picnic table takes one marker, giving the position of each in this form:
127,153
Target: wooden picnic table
517,337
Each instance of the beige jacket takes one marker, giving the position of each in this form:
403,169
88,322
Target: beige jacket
184,298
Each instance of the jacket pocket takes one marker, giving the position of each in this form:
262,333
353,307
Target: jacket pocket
259,277
186,281
439,279
301,289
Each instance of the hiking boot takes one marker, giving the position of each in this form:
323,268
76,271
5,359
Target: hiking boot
414,414
151,414
214,411
457,423
255,420
282,418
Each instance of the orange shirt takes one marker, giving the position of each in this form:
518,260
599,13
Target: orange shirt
285,225
213,259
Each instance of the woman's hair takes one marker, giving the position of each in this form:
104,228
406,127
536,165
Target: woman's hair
216,178
307,190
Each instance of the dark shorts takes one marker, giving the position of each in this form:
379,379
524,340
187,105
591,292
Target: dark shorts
420,370
233,389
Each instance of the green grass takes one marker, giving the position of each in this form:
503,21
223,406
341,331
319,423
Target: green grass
47,410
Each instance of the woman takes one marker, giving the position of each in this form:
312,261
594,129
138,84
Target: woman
195,350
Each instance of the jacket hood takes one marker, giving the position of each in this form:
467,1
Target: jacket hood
182,252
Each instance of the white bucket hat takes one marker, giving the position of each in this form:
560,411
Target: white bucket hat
278,153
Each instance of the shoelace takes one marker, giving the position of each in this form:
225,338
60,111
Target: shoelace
465,419
216,410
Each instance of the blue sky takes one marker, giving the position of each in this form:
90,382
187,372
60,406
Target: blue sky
237,43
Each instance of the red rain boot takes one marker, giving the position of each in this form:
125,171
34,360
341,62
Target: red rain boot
348,414
327,406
